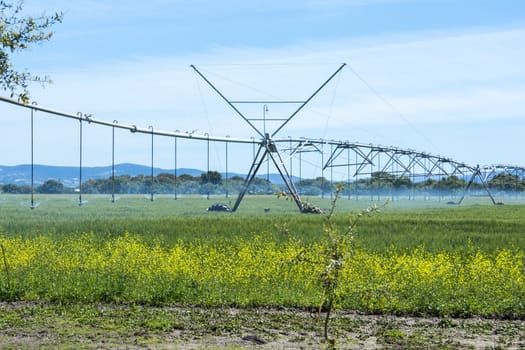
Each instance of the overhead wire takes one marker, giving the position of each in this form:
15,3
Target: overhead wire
242,85
328,117
392,107
331,104
206,114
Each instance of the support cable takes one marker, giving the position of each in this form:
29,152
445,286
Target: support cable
391,106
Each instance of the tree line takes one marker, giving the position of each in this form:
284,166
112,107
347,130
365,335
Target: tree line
213,183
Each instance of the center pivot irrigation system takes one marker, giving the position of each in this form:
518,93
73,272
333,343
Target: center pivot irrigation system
359,159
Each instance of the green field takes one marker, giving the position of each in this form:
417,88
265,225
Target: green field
405,224
414,257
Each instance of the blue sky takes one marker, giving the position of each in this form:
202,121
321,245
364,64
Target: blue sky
441,76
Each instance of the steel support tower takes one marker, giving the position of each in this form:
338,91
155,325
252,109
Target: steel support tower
268,148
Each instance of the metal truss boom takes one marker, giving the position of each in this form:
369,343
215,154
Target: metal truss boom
403,163
132,128
366,158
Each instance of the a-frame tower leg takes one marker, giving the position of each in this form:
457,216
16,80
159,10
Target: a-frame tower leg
268,148
257,161
279,164
477,172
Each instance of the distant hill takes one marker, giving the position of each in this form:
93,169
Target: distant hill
69,175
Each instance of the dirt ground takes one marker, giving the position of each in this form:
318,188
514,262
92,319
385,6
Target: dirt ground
102,326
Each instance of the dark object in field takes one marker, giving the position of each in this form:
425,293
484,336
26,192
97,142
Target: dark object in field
254,339
311,209
219,207
500,203
266,210
452,203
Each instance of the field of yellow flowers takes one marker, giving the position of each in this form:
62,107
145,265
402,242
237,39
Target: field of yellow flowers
456,261
259,272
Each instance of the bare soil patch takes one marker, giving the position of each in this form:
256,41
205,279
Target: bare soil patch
107,326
